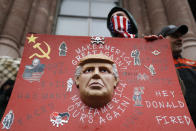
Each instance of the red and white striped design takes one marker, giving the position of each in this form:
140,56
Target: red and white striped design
35,77
120,24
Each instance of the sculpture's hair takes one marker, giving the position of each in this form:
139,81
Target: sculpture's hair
114,68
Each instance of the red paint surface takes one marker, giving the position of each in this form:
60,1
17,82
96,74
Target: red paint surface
34,102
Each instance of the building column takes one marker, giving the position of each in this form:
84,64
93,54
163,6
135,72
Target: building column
156,15
52,16
5,6
41,16
180,13
124,3
138,10
28,25
12,32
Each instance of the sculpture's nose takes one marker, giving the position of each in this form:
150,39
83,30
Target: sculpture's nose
96,73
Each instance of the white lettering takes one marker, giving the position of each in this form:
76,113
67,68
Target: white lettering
70,108
101,120
116,114
162,104
115,100
148,105
82,117
90,111
82,108
117,51
172,93
158,93
104,109
109,106
125,103
164,120
112,49
78,58
181,104
90,119
119,107
180,119
96,112
74,98
74,62
158,119
173,119
154,104
187,119
108,116
75,115
78,104
164,93
78,51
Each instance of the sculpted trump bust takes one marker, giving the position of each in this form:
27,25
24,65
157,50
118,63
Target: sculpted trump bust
96,78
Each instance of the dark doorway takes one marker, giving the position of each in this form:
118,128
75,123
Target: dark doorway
192,4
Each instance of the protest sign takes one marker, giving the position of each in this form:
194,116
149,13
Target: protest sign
148,96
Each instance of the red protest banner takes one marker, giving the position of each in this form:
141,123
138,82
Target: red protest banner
147,97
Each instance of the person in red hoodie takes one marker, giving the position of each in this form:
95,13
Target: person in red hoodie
186,68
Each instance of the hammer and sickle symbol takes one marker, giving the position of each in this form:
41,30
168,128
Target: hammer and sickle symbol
45,54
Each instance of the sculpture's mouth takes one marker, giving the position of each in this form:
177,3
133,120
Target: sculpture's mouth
96,85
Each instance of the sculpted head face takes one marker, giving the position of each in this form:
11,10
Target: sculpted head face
96,77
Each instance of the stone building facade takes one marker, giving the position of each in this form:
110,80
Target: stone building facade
19,17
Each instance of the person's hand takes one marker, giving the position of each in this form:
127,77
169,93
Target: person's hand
153,37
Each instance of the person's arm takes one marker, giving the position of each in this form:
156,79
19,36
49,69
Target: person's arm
153,37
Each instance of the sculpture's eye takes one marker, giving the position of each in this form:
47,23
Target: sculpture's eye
88,70
104,70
